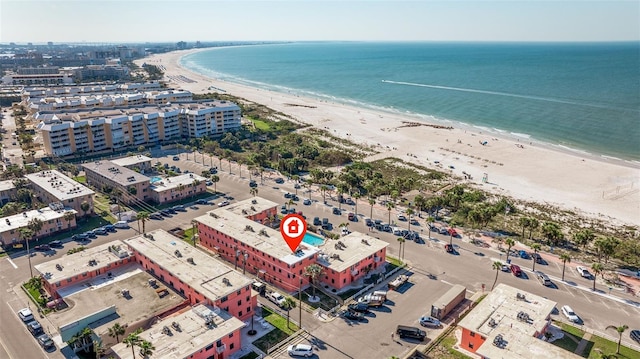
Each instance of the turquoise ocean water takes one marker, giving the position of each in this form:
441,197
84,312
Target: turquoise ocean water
582,96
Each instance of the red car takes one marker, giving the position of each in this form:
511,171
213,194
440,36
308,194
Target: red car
515,270
453,232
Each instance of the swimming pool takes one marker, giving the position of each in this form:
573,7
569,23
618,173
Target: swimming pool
312,239
155,179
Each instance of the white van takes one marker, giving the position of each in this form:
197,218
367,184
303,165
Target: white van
121,224
397,231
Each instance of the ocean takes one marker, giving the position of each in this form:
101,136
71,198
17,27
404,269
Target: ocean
579,96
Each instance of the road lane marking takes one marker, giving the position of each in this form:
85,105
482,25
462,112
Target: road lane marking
13,264
445,282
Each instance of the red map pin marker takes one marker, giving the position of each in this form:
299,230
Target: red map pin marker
293,228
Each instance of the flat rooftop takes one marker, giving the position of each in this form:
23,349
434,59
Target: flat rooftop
193,334
6,185
249,232
358,246
251,206
498,314
22,220
131,160
83,261
58,185
168,183
101,292
118,174
207,275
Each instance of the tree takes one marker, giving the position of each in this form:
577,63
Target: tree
536,249
84,206
510,243
99,349
288,304
564,257
146,348
552,232
132,340
371,203
533,225
524,222
313,271
116,331
401,242
597,269
253,191
35,225
143,217
498,267
621,329
215,179
583,237
323,189
68,216
390,206
355,196
410,213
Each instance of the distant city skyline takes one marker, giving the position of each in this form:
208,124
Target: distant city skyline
317,20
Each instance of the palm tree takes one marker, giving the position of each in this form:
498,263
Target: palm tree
533,225
215,179
371,203
323,189
132,340
146,348
84,206
536,249
498,267
253,191
510,243
401,242
355,196
288,304
597,269
313,271
99,349
524,222
621,329
410,213
143,217
68,216
583,237
564,257
116,331
430,221
390,206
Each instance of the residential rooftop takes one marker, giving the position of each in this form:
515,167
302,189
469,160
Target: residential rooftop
357,246
251,206
22,220
518,317
58,185
191,331
168,183
82,262
131,160
205,274
255,235
6,185
116,173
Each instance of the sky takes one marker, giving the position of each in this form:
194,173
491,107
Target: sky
312,20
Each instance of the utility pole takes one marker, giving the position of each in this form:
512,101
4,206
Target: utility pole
300,304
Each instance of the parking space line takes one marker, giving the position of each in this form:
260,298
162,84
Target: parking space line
586,296
13,264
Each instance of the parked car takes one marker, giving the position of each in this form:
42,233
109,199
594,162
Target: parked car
253,183
449,248
317,221
171,210
295,198
523,254
91,234
351,216
303,350
202,201
35,328
110,228
176,158
101,231
583,272
165,213
209,182
543,278
536,257
121,225
180,208
55,243
414,222
515,269
276,298
402,218
358,307
570,314
297,186
155,215
79,237
444,230
306,202
410,332
452,232
337,211
353,315
288,195
178,170
213,170
635,335
368,222
223,203
279,180
372,300
42,248
430,322
25,314
45,341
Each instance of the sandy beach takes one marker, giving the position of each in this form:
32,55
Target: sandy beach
590,185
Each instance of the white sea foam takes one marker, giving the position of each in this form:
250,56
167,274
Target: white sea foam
522,135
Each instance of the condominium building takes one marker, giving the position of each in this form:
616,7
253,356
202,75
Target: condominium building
175,188
140,162
57,78
48,91
132,186
510,323
257,209
52,186
201,332
195,275
7,191
53,221
111,129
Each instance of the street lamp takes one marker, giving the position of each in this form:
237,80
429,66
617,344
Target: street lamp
29,257
237,254
244,262
300,304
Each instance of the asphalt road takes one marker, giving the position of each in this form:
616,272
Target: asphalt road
433,269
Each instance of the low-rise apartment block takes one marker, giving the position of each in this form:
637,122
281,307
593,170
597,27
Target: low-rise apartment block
140,162
7,191
133,186
201,332
53,221
170,189
257,209
51,186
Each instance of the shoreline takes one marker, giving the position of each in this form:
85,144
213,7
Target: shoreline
526,169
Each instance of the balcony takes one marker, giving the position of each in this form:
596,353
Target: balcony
221,348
